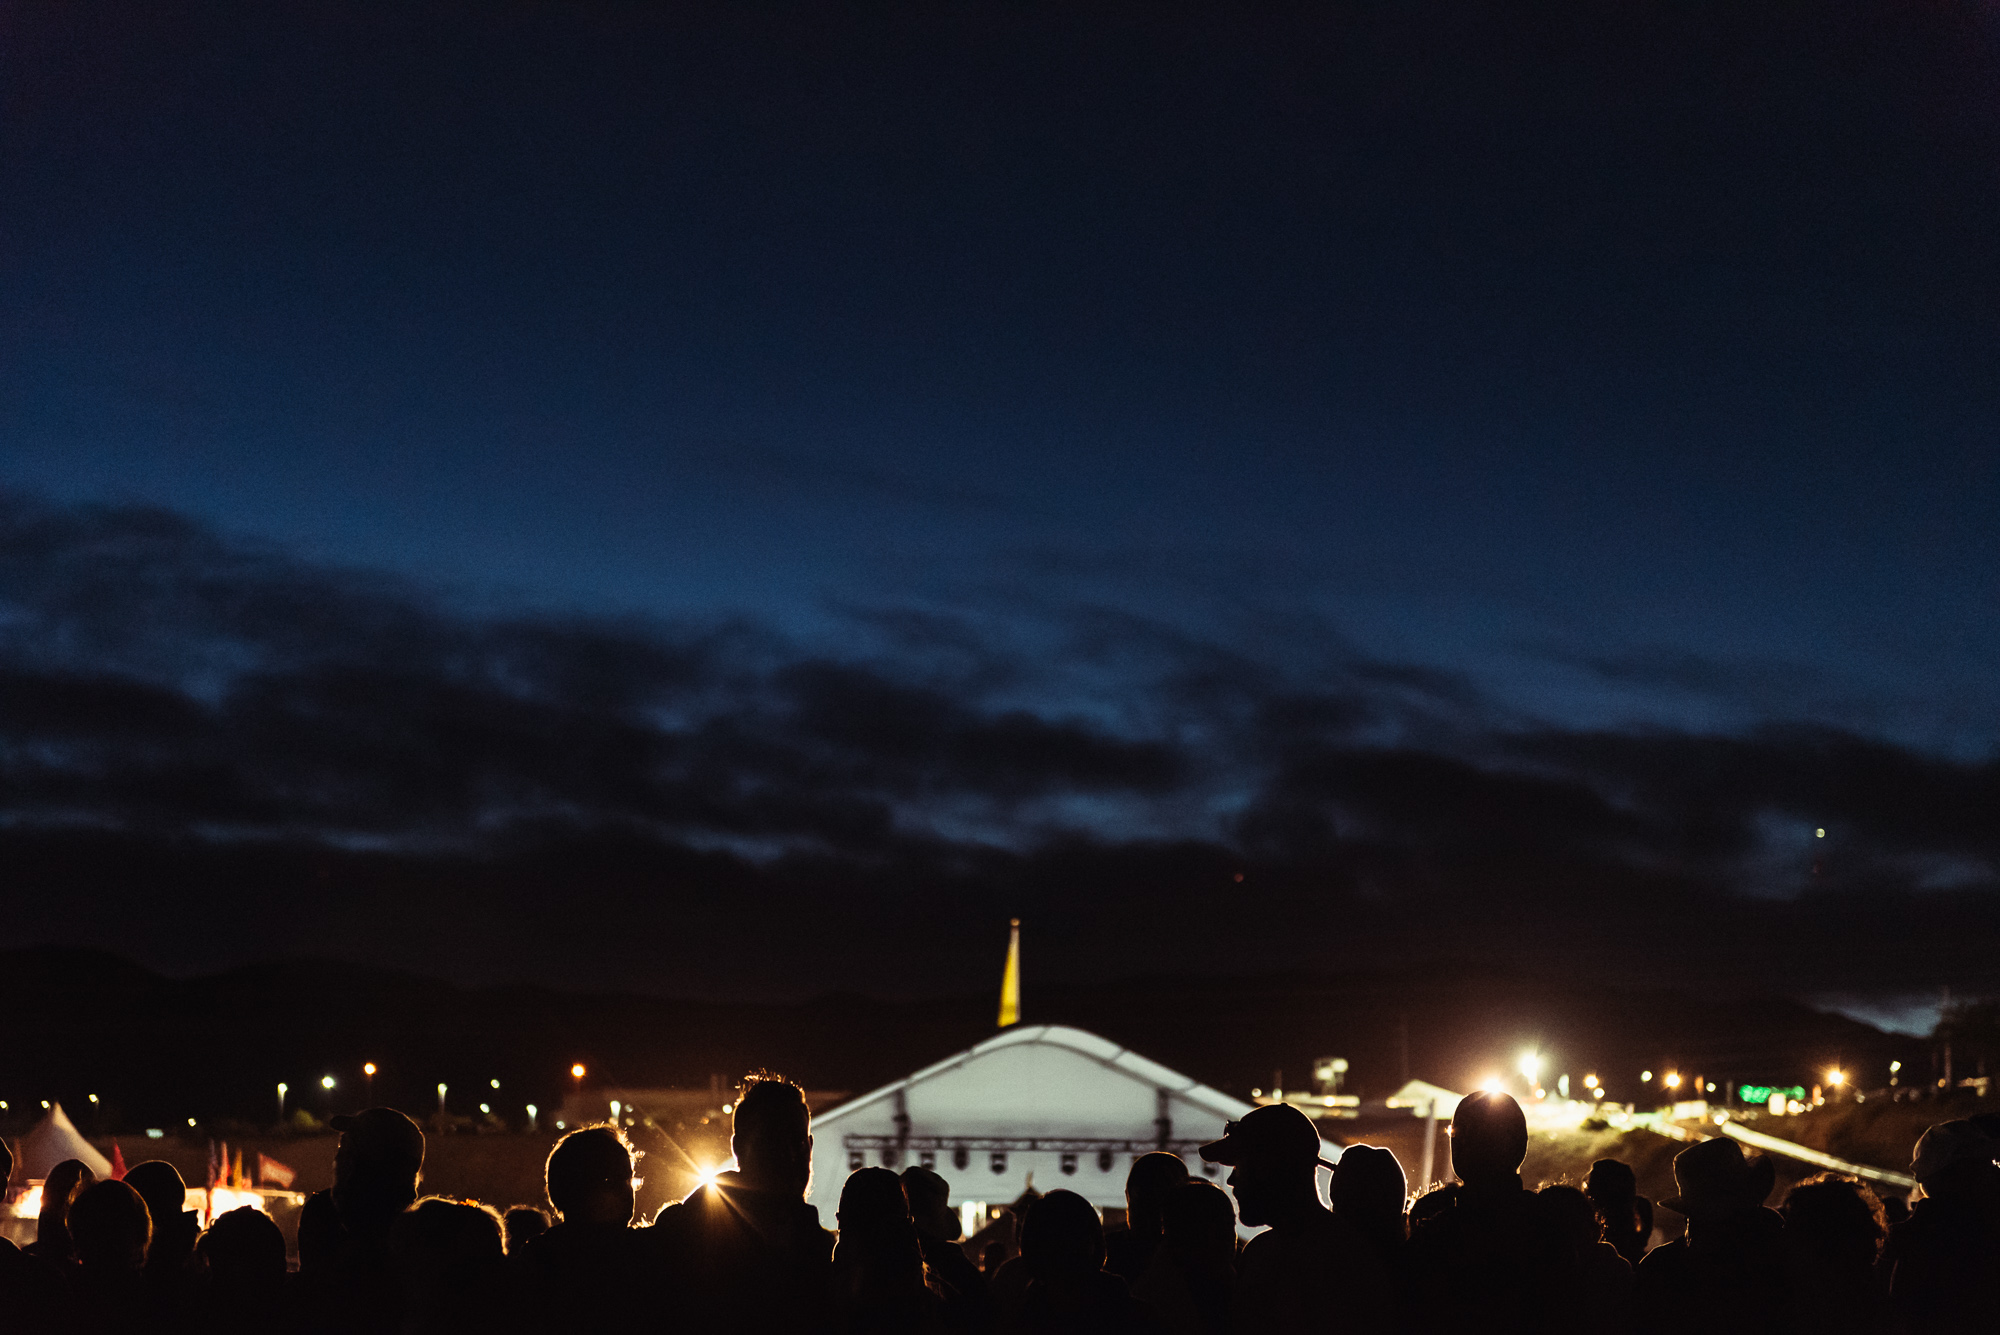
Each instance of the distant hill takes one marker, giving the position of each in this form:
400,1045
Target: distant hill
157,1050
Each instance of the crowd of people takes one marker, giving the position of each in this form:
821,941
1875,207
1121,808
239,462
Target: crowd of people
747,1254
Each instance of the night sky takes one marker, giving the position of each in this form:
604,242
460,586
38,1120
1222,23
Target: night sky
789,486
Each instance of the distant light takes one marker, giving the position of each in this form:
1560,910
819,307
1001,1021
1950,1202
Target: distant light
559,1124
1836,1076
45,1103
326,1082
1493,1084
1819,834
615,1106
1590,1082
155,1133
1531,1065
283,1088
441,1088
485,1108
1646,1076
1711,1086
3,1105
576,1071
368,1068
531,1112
494,1083
1673,1080
190,1121
1893,1068
93,1098
729,1107
707,1176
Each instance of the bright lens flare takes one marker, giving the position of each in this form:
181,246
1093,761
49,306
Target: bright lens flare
1836,1077
707,1176
1493,1084
1673,1080
1531,1065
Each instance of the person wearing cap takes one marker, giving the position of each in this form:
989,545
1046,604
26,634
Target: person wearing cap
1311,1271
1730,1268
1943,1261
344,1260
1628,1217
1491,1256
938,1231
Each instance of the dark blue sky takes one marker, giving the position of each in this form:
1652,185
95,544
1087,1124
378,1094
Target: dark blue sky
1635,367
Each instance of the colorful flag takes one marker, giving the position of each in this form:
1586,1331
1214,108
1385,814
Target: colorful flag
236,1178
271,1171
222,1166
117,1161
214,1169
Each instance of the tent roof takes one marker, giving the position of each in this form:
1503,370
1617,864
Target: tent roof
54,1139
1101,1050
1419,1093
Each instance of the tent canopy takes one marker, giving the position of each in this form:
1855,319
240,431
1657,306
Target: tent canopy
54,1139
1057,1104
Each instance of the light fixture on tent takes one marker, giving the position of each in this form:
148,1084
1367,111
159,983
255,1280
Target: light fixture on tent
961,1158
998,1163
1010,981
1069,1165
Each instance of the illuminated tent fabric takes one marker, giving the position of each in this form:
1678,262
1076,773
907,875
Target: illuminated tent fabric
1420,1095
1066,1107
54,1139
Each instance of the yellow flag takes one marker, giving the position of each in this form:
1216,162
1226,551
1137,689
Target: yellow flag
1010,982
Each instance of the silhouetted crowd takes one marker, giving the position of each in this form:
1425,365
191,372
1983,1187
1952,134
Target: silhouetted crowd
747,1255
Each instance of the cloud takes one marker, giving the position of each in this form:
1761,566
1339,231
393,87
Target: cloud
202,731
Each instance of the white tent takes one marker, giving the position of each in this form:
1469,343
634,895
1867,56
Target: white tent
54,1139
1067,1107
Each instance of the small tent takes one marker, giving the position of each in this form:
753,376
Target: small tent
54,1139
1060,1105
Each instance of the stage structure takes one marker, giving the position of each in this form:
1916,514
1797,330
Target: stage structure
1057,1105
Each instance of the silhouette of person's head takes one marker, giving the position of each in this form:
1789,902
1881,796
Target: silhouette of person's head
1198,1224
1712,1180
1611,1184
1571,1216
589,1176
244,1252
930,1204
524,1223
1835,1220
110,1226
772,1136
1489,1139
1956,1160
1147,1184
872,1203
175,1227
452,1255
1275,1153
1062,1238
59,1189
1369,1190
375,1167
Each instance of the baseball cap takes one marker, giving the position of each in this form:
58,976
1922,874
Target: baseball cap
381,1131
1274,1133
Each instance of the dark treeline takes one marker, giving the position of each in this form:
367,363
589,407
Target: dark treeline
745,1252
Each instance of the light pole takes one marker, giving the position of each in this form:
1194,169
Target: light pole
368,1083
441,1089
282,1087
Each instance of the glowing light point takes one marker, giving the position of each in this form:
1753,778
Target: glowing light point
326,1082
576,1071
1819,834
368,1068
1646,1076
1492,1084
1673,1080
1531,1065
1836,1077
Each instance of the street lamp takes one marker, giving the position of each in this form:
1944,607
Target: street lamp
531,1117
441,1089
1836,1077
326,1082
282,1088
368,1083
